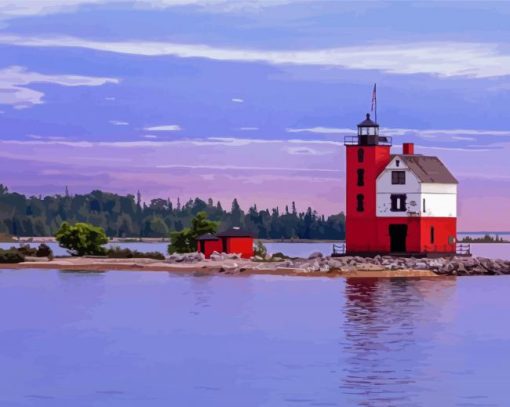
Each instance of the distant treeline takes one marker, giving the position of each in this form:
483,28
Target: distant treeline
484,239
128,216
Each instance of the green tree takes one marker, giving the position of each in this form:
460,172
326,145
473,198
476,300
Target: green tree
81,239
185,241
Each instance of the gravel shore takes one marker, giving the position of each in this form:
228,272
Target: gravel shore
315,265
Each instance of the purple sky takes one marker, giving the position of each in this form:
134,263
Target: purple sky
185,98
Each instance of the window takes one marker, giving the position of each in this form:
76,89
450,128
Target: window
361,155
432,234
361,177
424,207
398,177
398,202
361,203
397,163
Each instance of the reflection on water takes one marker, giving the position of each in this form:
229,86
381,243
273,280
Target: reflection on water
380,324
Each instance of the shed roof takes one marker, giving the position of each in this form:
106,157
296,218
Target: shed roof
207,236
235,231
428,169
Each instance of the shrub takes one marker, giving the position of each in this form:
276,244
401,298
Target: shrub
44,251
26,250
185,241
82,239
11,256
125,253
280,255
260,250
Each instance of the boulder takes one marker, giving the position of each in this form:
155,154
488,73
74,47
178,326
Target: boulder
315,255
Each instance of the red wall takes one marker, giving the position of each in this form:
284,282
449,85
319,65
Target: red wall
373,235
242,245
444,229
210,246
361,227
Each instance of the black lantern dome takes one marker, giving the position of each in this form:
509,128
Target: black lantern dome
368,132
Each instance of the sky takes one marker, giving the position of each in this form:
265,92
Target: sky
251,99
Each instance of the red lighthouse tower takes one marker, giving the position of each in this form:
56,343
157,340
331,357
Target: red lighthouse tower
402,203
366,156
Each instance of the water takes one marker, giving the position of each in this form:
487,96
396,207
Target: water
163,339
496,250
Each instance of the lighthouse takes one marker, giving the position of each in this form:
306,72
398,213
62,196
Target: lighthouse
401,203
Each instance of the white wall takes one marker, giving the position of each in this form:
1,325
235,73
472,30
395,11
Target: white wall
440,199
439,203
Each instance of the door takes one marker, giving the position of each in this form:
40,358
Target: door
398,235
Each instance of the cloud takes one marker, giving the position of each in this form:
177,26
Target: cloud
237,100
212,141
322,130
444,59
166,127
248,128
119,123
151,136
306,151
247,168
468,150
14,78
16,8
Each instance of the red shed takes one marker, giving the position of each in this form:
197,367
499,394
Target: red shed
209,243
237,240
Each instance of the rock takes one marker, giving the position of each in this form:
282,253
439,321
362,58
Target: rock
315,255
335,264
315,266
231,256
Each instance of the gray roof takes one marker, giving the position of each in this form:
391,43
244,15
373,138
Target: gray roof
207,236
235,231
428,169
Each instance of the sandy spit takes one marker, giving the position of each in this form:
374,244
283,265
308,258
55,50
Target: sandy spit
229,267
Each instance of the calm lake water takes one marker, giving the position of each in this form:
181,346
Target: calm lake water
166,339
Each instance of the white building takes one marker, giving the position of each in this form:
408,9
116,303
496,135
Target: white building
416,185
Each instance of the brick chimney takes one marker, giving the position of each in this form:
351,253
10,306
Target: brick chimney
408,148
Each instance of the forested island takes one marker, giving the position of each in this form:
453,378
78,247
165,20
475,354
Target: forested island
129,216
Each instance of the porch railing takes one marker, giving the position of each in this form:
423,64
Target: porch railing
339,249
463,249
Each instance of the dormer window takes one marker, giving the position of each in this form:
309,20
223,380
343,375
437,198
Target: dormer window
398,177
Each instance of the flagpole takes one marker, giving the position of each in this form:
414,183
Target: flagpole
375,96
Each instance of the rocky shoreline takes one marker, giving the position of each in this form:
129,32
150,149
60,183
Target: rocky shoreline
315,265
316,262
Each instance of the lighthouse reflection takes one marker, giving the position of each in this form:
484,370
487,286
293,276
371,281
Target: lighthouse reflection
385,321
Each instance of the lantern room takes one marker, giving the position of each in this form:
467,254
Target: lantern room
368,132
